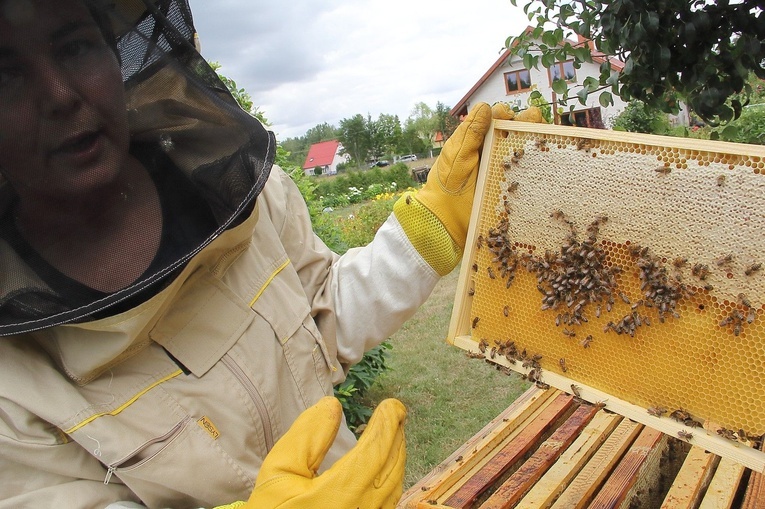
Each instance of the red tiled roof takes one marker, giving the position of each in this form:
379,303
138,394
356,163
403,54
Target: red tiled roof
321,154
461,107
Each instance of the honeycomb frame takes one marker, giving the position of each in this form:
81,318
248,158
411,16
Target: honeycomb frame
690,210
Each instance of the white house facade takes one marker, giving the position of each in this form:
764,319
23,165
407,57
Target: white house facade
509,81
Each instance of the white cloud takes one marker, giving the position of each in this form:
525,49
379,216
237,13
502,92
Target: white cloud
305,63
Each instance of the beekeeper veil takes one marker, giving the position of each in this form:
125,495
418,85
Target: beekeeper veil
121,156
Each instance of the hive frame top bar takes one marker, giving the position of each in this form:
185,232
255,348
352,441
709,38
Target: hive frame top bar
462,330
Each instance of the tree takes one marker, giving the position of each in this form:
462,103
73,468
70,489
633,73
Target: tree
444,121
355,138
385,134
697,51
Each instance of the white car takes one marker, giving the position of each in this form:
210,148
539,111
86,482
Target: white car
407,158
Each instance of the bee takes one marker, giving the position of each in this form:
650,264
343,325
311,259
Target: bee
471,292
475,321
663,170
657,411
720,180
584,144
724,260
726,433
680,415
507,162
483,345
624,298
569,333
459,459
576,391
685,435
586,341
743,299
479,242
558,214
493,352
562,363
513,187
491,273
473,355
680,262
541,143
691,423
408,199
517,156
700,270
751,315
506,311
752,269
475,267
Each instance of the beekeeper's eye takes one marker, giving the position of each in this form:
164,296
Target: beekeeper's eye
85,43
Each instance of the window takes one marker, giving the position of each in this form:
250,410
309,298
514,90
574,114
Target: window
583,118
563,70
517,81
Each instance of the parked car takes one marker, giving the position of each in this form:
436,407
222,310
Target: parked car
407,158
382,163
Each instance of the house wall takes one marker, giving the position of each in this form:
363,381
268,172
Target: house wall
493,89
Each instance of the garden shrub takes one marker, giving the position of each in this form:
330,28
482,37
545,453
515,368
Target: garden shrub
361,377
360,229
636,118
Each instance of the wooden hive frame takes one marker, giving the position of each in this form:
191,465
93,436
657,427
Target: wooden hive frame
549,450
462,325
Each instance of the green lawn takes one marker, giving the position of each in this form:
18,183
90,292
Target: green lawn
449,396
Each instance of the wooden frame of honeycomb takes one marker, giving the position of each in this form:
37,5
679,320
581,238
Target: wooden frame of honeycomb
627,269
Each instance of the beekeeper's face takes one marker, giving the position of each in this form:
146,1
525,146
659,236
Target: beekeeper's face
63,125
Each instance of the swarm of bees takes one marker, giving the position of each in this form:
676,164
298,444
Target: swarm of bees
661,289
576,276
506,257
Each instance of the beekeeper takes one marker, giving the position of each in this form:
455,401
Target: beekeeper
168,313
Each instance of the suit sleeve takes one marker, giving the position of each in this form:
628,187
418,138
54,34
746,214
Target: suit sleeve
360,298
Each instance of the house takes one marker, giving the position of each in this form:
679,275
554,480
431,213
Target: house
509,81
323,158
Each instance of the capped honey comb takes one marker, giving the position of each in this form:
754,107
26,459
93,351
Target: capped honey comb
631,263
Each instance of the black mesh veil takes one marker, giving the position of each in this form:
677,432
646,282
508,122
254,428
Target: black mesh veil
122,155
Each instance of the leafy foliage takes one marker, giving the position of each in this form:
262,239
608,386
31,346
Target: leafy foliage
636,118
697,51
361,377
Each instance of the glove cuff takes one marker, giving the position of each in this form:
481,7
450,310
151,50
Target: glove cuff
427,234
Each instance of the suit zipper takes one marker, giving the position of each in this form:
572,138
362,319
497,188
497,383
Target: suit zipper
112,469
257,399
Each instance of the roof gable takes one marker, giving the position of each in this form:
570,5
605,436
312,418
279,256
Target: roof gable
321,154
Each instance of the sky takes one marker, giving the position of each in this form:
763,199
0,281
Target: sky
307,62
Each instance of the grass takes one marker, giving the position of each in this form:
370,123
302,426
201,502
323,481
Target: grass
449,397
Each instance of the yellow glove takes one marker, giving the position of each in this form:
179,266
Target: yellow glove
371,475
436,217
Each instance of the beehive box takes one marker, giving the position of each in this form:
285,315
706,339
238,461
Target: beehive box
629,266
